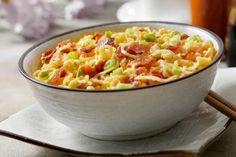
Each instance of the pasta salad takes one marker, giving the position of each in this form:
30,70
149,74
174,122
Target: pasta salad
138,56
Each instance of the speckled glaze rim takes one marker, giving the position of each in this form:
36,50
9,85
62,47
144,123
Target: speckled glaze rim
213,35
166,153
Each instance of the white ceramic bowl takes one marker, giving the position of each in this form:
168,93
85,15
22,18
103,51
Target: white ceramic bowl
127,113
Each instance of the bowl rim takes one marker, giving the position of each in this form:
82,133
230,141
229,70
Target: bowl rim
30,78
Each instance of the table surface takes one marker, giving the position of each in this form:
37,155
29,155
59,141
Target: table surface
15,93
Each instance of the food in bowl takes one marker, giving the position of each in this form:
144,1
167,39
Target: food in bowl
138,56
122,114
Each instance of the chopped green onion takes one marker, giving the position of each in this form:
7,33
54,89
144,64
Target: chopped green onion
194,38
73,55
143,42
149,37
175,39
43,73
118,71
108,34
79,73
124,86
176,70
175,33
109,64
162,46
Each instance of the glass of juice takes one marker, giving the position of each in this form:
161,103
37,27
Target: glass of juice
211,14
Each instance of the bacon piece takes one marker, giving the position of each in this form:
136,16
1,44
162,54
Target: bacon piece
155,72
99,66
142,30
127,79
87,49
67,46
47,55
111,42
89,70
191,53
199,49
190,56
97,36
62,72
73,46
63,42
184,53
158,74
136,48
137,83
82,86
141,70
58,77
174,47
119,54
96,85
151,82
184,36
93,70
147,62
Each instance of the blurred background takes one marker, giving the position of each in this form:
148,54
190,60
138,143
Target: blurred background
32,20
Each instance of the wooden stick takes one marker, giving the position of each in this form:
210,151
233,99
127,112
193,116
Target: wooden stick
221,105
223,100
